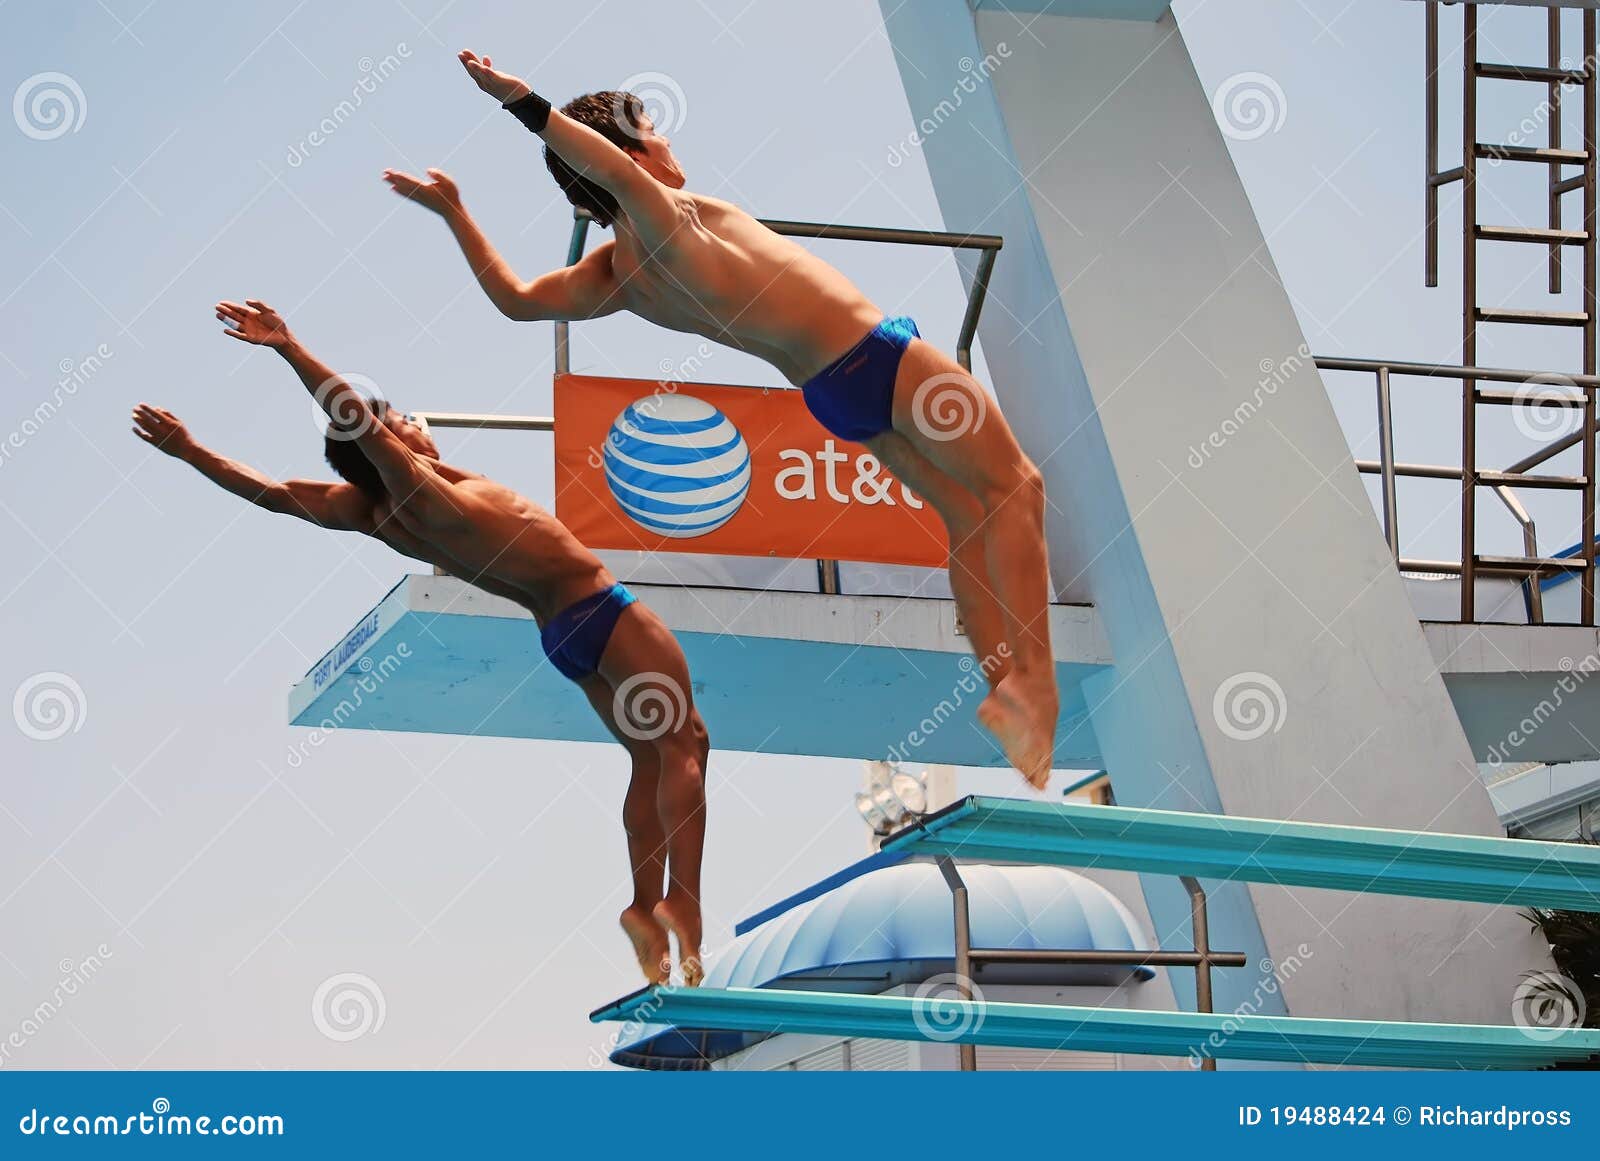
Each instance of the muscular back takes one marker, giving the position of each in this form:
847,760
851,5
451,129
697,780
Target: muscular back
493,537
718,272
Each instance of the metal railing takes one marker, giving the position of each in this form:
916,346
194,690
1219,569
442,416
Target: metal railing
987,245
1556,79
1547,392
970,960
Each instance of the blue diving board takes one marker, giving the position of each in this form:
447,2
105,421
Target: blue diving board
1291,1039
1521,872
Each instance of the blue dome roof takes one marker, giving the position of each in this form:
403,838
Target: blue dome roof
895,925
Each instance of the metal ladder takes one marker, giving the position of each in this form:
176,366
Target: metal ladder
1555,238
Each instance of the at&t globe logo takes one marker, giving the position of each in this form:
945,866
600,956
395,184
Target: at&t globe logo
676,465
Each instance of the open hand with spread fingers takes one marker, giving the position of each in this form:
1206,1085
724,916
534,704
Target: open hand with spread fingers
439,195
162,430
503,87
254,322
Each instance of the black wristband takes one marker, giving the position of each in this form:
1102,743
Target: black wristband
532,110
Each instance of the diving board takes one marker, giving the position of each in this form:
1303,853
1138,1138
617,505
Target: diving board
774,672
1289,1039
1370,860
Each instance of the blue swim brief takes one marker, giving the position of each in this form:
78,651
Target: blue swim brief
853,397
575,637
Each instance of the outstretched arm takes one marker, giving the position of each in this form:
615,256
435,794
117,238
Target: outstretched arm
338,506
403,477
584,290
648,204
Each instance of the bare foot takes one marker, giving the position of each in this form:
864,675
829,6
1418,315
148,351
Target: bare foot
649,939
1026,734
683,920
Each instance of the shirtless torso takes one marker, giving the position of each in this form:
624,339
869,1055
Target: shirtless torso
592,630
486,533
802,315
702,265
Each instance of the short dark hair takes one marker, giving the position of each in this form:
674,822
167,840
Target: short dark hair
604,112
346,457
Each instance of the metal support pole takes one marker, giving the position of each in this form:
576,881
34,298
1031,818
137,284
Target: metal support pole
969,320
1430,246
1202,947
1554,95
580,233
963,922
828,577
1469,309
1391,519
1590,222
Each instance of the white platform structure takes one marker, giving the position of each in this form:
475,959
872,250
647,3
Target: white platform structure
1151,310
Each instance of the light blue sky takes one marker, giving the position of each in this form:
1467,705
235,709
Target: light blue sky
477,880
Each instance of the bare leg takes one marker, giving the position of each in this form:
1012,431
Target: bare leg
969,570
951,422
654,703
647,842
